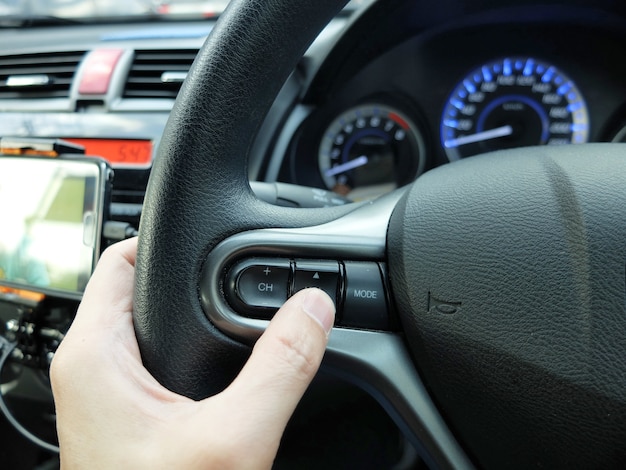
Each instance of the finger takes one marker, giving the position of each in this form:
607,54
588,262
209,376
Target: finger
283,363
109,293
101,344
101,390
103,317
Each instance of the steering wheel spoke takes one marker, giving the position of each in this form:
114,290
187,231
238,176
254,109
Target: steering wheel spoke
237,274
375,359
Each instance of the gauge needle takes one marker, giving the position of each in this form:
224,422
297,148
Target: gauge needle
479,136
351,165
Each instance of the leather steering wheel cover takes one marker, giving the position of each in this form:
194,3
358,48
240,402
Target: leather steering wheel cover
198,193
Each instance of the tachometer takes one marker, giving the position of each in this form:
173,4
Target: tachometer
370,147
513,102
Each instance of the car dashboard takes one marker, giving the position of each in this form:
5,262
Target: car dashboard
371,106
382,96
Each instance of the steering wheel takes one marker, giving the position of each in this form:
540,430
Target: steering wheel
506,271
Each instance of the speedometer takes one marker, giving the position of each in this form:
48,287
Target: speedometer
513,102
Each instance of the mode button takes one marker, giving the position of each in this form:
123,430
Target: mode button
365,305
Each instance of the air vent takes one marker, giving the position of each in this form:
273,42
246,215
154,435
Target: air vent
47,75
158,73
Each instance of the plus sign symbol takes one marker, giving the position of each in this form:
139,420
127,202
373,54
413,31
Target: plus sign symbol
267,270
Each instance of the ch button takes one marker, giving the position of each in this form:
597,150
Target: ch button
262,284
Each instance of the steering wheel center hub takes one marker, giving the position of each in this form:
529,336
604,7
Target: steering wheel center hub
510,269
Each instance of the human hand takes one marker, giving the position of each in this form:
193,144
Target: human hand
111,413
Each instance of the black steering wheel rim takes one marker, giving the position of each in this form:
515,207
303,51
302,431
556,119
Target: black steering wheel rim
198,193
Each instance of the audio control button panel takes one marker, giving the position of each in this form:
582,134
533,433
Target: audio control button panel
257,287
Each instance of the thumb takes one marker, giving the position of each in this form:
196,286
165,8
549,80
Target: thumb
283,363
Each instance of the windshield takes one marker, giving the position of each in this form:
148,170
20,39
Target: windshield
95,10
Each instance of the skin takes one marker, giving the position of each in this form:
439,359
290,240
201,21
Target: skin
111,413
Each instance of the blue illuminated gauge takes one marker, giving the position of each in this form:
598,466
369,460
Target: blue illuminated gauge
513,102
369,150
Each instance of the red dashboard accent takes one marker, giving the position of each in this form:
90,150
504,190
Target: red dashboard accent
98,68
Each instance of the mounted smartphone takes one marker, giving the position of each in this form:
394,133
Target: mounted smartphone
51,215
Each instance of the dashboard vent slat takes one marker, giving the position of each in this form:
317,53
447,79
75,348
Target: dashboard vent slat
57,67
146,76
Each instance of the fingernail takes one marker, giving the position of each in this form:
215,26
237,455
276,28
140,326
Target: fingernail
320,307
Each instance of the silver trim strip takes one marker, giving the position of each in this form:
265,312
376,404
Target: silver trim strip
173,77
22,81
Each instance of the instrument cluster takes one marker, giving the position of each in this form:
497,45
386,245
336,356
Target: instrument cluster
468,90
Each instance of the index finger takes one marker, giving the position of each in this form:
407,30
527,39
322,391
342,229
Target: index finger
109,293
